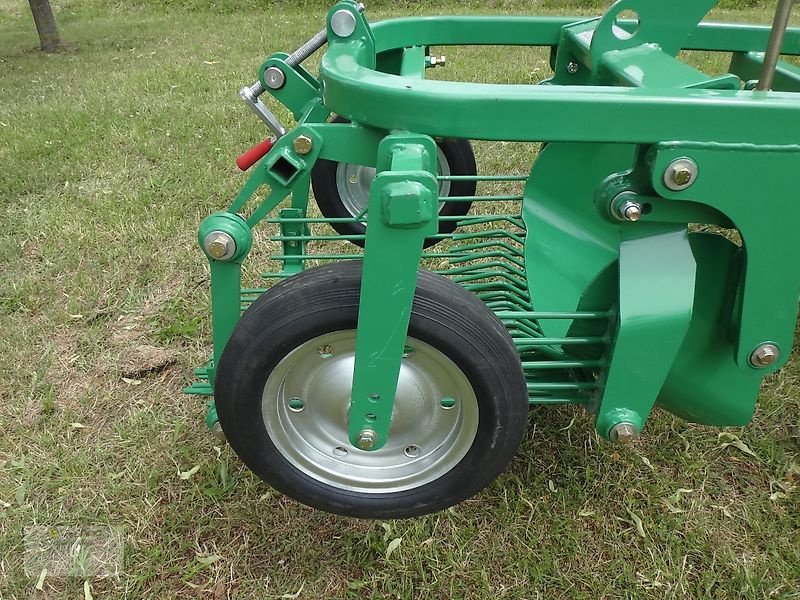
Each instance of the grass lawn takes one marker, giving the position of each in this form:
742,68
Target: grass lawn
110,156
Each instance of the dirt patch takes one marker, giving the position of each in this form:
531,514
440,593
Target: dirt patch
147,359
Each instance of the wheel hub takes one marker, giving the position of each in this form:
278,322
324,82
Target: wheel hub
434,417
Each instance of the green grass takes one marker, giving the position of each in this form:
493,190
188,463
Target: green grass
110,155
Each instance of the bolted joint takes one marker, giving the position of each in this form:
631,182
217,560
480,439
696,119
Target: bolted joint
225,237
573,67
623,433
408,204
435,61
274,78
765,356
302,144
366,439
219,245
680,174
624,207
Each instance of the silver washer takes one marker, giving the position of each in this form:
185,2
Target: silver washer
315,441
353,183
343,23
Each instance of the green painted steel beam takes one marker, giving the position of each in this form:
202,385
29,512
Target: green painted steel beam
459,30
555,113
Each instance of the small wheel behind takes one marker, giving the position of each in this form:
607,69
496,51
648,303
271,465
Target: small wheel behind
342,189
283,390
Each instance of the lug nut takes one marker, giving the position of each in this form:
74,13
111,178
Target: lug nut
680,174
302,144
366,439
624,433
220,245
765,355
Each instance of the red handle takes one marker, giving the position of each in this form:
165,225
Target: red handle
255,154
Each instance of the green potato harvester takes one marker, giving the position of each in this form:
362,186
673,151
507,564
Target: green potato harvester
416,308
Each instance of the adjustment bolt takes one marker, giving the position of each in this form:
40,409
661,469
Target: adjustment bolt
573,67
274,78
625,207
220,245
302,144
632,211
366,439
765,355
680,174
436,61
624,433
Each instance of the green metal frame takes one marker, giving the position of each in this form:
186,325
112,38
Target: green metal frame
618,316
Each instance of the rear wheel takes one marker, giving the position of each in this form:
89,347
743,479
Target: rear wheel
342,189
283,391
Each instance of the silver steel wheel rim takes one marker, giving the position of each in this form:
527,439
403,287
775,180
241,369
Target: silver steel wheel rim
305,406
354,181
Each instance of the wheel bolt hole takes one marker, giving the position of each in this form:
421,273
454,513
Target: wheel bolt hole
340,451
371,417
325,351
447,402
411,451
296,404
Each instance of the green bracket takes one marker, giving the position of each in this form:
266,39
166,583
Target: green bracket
656,295
402,213
226,276
300,89
752,186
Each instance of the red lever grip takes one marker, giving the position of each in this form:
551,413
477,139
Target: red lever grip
255,154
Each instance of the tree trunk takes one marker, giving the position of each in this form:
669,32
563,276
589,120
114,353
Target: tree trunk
46,25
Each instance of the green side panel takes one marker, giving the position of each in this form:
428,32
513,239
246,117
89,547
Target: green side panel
705,384
571,249
656,294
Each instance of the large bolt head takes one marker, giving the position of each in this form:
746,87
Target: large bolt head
274,78
680,174
572,67
343,23
220,245
367,439
303,144
624,433
765,355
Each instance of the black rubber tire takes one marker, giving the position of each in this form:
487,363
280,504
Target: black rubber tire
460,157
325,299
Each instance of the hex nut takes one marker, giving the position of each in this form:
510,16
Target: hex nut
303,144
220,245
624,433
367,439
680,174
765,355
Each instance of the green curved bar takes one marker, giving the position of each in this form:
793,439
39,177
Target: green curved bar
554,113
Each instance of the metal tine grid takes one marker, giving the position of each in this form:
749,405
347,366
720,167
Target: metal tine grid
485,255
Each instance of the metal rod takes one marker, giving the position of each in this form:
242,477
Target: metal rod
307,49
779,25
